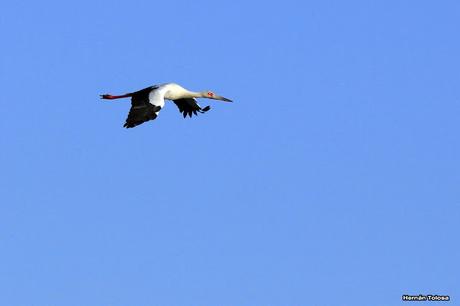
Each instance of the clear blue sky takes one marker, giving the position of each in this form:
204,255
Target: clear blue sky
333,179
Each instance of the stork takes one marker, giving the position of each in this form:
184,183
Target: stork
147,103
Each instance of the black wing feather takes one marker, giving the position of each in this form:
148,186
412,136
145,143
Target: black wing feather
141,108
189,106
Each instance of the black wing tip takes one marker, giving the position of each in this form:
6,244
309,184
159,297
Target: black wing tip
205,109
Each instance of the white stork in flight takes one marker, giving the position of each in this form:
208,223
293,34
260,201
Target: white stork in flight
147,103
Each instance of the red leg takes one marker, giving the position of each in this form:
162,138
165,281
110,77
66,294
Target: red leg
110,97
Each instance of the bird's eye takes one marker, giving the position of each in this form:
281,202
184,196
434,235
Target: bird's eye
210,94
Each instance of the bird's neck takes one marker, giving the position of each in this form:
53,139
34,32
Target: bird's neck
194,94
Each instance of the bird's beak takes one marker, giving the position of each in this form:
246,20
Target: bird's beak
222,98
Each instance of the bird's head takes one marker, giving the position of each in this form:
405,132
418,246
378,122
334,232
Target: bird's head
211,95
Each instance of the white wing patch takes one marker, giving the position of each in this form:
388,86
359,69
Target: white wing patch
157,98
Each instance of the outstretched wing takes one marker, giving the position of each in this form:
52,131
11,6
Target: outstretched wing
144,107
187,106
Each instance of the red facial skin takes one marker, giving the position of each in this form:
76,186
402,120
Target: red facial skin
210,94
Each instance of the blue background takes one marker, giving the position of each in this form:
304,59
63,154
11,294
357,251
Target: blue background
333,179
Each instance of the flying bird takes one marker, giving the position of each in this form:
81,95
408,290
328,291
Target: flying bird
147,103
